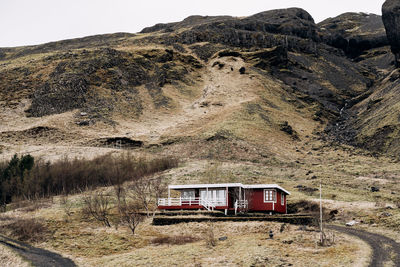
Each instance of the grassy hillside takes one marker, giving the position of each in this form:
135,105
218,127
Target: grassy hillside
269,98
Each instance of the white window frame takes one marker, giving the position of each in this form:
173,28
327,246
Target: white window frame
270,201
282,199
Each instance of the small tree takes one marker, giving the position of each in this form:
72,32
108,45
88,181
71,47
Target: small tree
146,191
128,209
98,206
140,190
131,216
159,186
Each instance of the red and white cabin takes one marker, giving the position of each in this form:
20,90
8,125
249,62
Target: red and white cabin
228,197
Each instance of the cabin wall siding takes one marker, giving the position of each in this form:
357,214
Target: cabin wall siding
257,203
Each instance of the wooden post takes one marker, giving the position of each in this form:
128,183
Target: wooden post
169,196
320,211
226,198
236,206
285,204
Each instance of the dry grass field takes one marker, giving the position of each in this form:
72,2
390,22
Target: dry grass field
89,243
9,258
247,243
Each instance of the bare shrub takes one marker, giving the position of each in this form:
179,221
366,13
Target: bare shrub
211,241
131,216
26,230
327,239
175,240
128,207
66,205
98,205
159,186
146,191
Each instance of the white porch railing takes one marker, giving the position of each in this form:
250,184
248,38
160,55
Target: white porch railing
196,201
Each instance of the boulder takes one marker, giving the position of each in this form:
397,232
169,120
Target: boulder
375,189
391,20
351,223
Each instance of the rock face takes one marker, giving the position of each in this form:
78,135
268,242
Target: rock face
100,81
354,33
293,26
391,20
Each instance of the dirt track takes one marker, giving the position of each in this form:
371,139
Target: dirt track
37,256
384,249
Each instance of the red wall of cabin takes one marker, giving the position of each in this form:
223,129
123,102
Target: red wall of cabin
257,201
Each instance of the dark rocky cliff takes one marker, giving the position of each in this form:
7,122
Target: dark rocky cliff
391,19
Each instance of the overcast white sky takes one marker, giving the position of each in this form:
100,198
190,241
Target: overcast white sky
24,22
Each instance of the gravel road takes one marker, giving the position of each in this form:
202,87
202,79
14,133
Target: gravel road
384,249
37,256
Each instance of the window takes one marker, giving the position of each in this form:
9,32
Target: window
188,194
282,199
217,196
269,195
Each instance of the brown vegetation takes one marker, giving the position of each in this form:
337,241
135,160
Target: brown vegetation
27,230
174,240
209,236
98,206
44,179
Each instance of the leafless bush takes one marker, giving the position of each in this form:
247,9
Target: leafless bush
98,205
131,216
326,239
175,240
146,191
211,241
66,205
26,230
128,207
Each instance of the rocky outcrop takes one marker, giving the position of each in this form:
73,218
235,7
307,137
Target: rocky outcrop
65,93
354,33
391,20
101,81
294,27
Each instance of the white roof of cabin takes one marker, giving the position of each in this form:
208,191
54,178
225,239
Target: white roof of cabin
261,186
253,186
192,186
